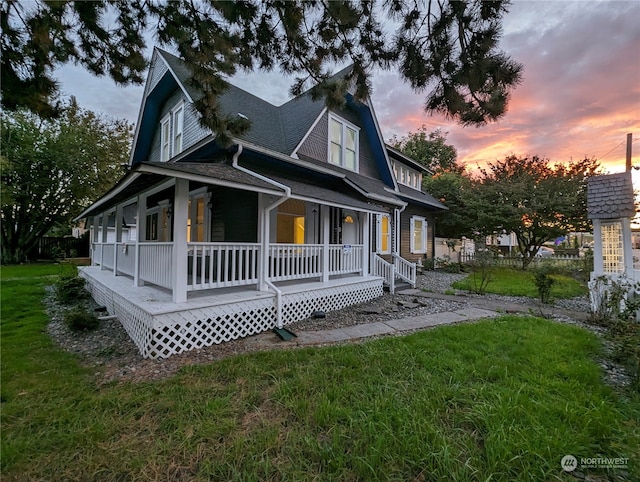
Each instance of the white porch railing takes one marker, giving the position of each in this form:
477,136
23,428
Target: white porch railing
381,267
155,263
107,255
405,270
219,265
345,259
294,261
96,253
125,258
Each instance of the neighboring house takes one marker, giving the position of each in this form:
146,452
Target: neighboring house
302,213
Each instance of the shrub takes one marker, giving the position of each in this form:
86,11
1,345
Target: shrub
483,267
78,319
71,288
543,281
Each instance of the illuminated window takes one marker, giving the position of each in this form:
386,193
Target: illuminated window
291,221
418,235
384,234
196,221
343,144
612,248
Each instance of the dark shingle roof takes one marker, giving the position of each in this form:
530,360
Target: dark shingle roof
426,199
277,128
610,196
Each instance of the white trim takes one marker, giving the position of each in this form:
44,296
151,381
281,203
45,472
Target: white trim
204,179
378,197
294,154
155,49
412,238
333,204
165,139
345,124
383,146
109,195
178,108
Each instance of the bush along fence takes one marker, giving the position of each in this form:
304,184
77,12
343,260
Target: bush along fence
559,261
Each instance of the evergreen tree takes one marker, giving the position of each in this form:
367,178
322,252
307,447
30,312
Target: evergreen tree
449,46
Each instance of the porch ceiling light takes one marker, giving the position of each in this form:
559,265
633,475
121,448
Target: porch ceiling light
348,219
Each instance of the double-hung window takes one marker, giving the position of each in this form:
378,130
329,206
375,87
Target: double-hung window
171,133
165,138
343,143
178,123
418,235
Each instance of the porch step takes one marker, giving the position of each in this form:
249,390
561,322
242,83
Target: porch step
400,285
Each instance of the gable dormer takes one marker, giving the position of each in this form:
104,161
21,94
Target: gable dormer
168,123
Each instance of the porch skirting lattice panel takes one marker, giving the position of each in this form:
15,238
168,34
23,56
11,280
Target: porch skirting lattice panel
160,328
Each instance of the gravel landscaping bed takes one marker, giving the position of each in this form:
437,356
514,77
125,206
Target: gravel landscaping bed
112,355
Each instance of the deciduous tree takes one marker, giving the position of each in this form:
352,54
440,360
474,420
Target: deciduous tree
429,149
51,169
536,200
447,46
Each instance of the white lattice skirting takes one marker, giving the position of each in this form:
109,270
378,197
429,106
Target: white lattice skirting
166,334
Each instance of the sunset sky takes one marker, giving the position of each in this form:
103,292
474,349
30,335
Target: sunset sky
579,98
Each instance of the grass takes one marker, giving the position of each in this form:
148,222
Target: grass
511,282
504,399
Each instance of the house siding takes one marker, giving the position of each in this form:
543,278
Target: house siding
234,216
158,69
316,145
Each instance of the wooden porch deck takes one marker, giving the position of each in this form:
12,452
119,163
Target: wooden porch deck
160,327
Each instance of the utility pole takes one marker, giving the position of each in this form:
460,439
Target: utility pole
629,136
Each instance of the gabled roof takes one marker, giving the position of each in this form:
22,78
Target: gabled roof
610,196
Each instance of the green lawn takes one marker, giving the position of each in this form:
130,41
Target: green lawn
504,399
512,282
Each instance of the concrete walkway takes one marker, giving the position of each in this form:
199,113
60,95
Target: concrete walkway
481,308
391,327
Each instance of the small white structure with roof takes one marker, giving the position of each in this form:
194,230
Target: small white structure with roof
610,206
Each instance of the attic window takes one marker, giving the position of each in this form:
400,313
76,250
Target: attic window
343,143
407,176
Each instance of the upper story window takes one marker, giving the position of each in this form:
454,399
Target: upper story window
343,143
407,176
178,122
165,135
171,133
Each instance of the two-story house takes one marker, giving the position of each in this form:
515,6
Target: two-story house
307,211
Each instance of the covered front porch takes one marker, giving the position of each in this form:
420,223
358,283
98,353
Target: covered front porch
160,327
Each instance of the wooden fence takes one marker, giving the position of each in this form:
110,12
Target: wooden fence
560,261
58,247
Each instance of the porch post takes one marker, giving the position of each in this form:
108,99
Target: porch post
365,244
324,213
105,226
141,230
94,238
263,239
179,262
118,238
